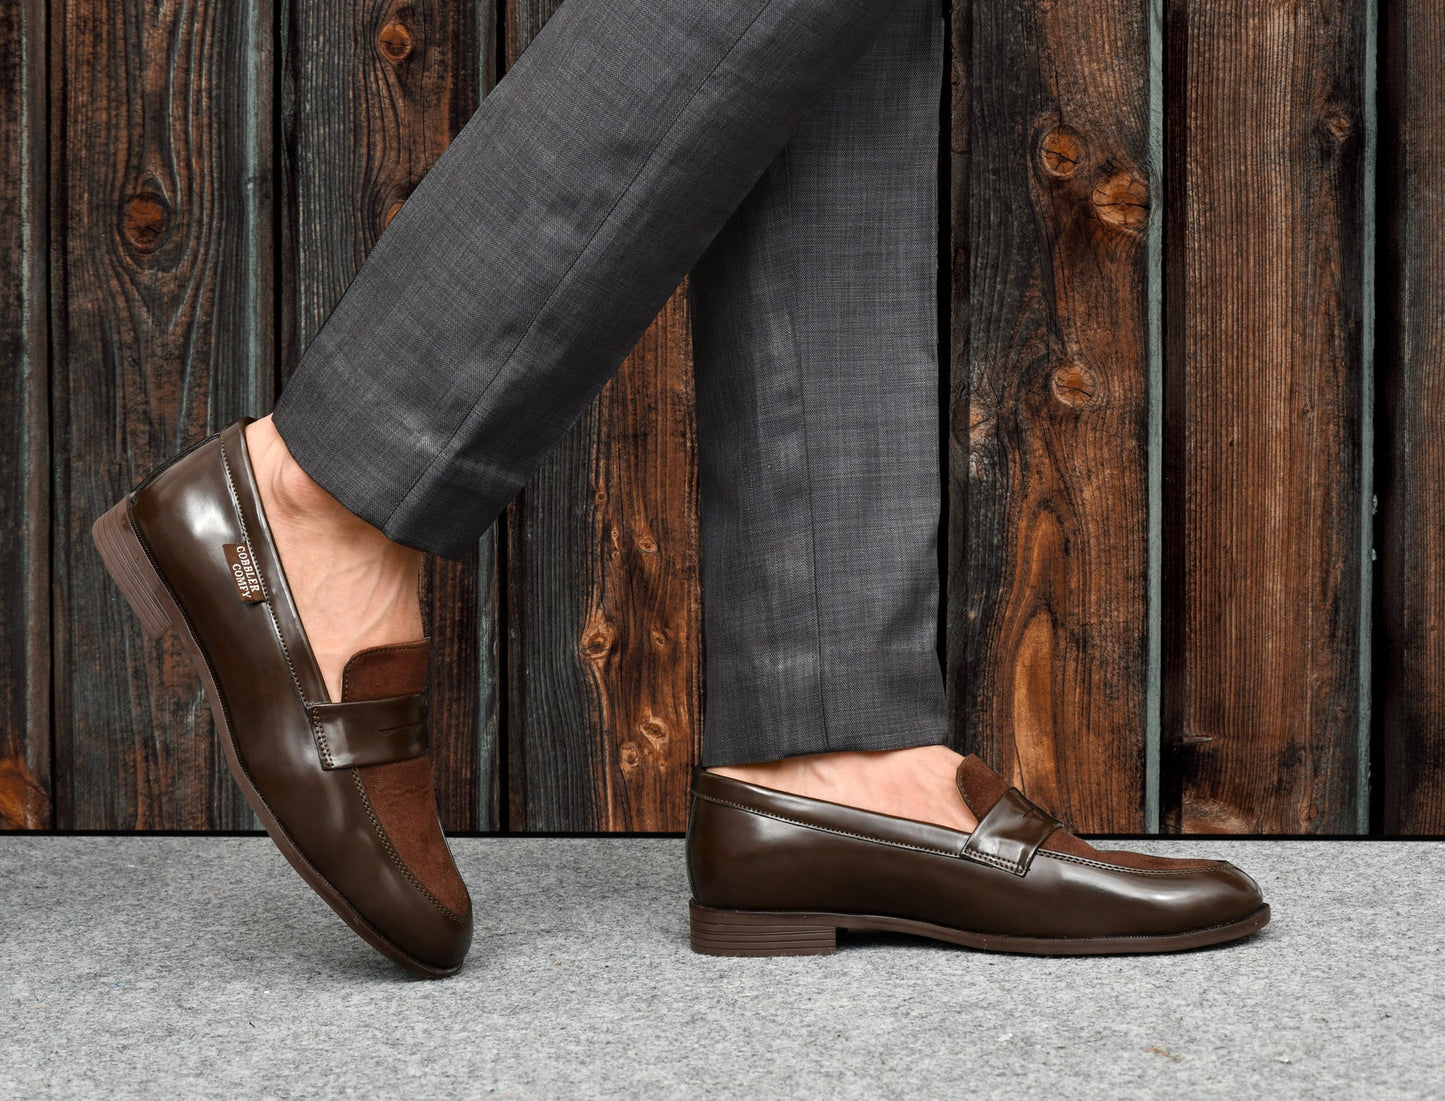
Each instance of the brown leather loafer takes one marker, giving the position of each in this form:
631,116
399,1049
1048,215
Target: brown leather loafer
779,874
343,787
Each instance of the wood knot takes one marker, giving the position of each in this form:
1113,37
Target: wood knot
628,757
391,213
1122,200
395,41
1074,385
655,731
647,544
1338,125
659,637
24,803
1062,152
144,219
597,642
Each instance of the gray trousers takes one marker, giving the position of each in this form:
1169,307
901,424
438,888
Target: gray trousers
783,152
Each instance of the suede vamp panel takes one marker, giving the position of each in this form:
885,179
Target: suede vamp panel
403,793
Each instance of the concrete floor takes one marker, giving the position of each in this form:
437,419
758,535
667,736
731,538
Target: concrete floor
204,967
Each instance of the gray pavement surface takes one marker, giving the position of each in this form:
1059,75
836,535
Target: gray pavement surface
204,967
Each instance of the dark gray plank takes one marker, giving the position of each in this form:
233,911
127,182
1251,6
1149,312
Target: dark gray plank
24,425
161,298
1411,358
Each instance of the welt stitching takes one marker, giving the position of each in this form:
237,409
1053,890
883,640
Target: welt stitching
583,251
321,742
396,856
1117,867
997,861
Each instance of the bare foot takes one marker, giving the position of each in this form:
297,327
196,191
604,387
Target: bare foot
915,783
352,585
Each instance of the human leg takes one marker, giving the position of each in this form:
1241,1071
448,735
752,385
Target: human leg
513,281
522,268
530,258
818,437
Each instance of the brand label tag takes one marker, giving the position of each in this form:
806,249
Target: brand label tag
243,572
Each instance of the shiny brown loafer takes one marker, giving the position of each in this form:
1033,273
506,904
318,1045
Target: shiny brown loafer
344,787
779,874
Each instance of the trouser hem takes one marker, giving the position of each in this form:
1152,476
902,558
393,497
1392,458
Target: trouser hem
290,418
876,741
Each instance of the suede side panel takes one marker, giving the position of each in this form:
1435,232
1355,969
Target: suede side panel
403,793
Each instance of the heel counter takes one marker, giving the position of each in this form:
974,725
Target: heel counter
710,854
162,496
687,845
178,458
737,855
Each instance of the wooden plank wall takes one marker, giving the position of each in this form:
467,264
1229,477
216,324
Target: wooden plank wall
1410,671
1195,337
163,326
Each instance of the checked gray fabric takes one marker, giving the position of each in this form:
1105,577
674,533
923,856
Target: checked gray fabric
785,153
815,340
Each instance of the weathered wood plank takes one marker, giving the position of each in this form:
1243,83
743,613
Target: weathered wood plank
24,426
1411,358
374,94
161,262
1047,584
603,597
1264,421
605,606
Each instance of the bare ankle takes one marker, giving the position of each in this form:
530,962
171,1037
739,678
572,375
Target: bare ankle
352,586
288,492
912,782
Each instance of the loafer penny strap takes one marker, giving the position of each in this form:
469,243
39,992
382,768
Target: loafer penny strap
370,732
1010,833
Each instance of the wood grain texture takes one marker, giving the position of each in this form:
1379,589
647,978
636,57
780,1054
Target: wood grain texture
1048,518
373,94
154,293
1410,666
161,262
603,598
604,606
24,426
1263,424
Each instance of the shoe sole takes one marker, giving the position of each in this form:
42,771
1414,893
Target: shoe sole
150,597
718,932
